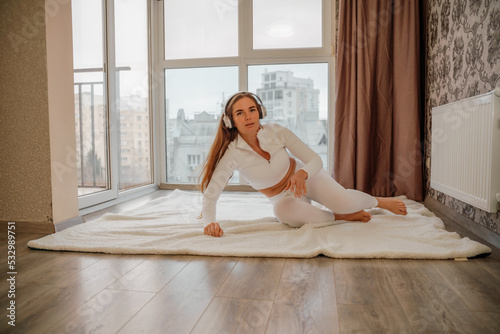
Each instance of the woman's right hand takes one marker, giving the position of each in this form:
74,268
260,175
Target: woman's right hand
213,229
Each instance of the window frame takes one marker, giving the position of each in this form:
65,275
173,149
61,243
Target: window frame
113,195
247,56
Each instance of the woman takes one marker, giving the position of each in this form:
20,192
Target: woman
259,153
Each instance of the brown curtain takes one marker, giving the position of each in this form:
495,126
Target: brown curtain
377,116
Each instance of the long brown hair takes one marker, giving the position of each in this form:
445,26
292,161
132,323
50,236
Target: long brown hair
222,139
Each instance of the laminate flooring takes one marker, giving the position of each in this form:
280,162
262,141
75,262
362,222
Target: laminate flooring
66,292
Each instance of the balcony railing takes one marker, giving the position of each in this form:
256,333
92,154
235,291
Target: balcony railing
93,171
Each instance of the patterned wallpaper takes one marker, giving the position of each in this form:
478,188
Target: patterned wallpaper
25,186
462,60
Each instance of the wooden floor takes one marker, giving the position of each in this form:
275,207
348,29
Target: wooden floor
64,292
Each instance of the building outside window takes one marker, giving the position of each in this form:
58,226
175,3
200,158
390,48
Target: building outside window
112,97
278,49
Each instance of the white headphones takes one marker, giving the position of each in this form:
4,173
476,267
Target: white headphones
227,120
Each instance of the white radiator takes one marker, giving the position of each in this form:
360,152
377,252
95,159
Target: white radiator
465,158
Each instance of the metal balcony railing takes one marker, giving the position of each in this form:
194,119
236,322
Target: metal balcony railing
91,176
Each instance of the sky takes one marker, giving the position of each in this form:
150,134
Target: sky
199,89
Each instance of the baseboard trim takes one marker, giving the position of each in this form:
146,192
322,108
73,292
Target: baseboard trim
442,210
30,227
68,223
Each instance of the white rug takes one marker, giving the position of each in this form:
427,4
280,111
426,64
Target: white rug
169,225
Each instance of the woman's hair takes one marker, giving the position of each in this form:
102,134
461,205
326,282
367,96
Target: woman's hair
222,139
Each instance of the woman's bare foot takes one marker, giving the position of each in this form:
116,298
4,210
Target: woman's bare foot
392,204
360,216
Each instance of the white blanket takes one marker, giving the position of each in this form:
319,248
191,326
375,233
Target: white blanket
169,225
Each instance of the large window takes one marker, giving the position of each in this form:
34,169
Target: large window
132,93
112,104
287,24
91,107
295,96
279,49
200,29
194,99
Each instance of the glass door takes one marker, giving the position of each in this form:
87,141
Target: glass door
112,109
92,112
132,94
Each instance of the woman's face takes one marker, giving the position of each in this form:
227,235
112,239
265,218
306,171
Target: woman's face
246,116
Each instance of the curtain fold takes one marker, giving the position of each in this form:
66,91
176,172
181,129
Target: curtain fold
377,116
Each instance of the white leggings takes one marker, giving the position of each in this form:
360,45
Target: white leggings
321,188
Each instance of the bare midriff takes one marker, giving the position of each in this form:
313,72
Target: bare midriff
280,186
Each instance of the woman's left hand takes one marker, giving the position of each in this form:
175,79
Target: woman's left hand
297,183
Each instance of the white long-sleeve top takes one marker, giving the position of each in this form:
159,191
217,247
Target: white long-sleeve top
258,171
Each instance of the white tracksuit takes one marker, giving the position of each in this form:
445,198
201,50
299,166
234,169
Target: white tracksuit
261,174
